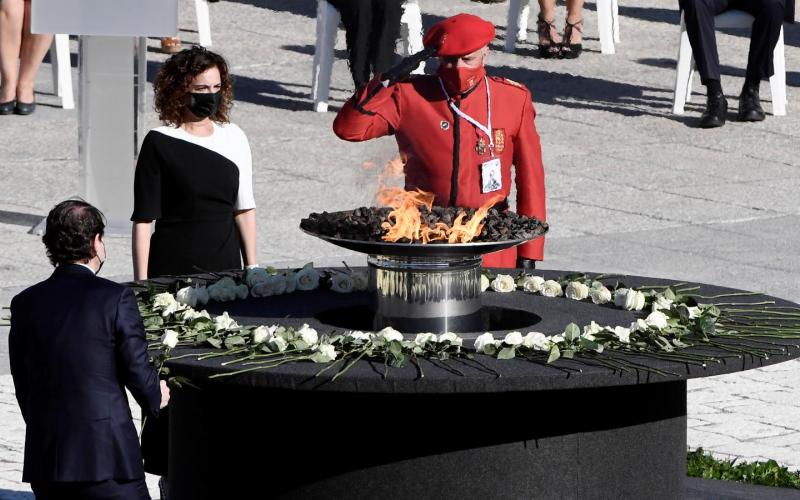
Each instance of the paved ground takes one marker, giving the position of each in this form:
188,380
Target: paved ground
631,188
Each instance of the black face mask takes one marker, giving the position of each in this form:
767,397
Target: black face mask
203,105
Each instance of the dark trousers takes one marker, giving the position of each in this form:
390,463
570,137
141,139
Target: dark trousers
372,29
112,489
155,443
699,18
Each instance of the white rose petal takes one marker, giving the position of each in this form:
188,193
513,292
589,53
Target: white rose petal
504,283
623,334
620,294
186,295
551,288
600,295
389,334
657,320
170,338
639,326
422,338
628,299
261,334
577,291
661,302
342,283
277,343
307,278
487,339
590,330
225,322
533,284
452,338
308,334
555,339
694,312
163,300
536,340
485,283
325,353
513,338
359,335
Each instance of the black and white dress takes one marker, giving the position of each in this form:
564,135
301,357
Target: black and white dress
191,186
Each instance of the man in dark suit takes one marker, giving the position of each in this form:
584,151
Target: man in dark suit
699,18
76,342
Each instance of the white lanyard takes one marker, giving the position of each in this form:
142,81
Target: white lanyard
485,129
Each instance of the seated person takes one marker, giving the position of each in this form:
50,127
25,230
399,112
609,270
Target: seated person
699,17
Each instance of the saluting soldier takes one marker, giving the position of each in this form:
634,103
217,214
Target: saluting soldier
459,131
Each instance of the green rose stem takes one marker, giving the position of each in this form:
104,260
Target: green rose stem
331,365
472,358
723,295
260,356
416,363
265,366
362,353
229,352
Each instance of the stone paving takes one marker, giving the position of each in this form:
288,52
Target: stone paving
631,187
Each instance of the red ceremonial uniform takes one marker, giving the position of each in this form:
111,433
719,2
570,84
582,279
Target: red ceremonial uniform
442,150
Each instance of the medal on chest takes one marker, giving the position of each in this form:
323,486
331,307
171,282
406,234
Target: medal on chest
480,146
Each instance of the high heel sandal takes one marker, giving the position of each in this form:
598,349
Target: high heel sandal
548,49
571,50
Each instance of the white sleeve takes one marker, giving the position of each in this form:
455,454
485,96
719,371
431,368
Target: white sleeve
245,199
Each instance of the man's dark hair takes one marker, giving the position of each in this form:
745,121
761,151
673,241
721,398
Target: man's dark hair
71,227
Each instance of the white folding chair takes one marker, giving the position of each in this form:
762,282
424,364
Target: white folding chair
62,70
203,22
685,68
607,24
327,26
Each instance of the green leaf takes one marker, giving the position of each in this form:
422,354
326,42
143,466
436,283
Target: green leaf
591,345
669,294
555,353
572,332
215,341
568,353
507,353
153,321
233,341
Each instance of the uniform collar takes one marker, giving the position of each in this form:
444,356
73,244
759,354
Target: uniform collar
460,97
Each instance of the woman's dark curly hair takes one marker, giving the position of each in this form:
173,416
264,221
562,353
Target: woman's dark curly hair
172,84
71,228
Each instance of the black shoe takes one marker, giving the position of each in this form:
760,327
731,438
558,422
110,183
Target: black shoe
24,108
716,111
6,108
750,106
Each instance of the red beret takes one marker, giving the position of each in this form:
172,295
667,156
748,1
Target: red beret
459,35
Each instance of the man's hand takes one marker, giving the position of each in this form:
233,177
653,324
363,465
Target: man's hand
164,394
526,264
406,66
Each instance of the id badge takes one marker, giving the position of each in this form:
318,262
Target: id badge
491,180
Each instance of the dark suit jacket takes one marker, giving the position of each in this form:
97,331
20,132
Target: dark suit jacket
789,17
76,342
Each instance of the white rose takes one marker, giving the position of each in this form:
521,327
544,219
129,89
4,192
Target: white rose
261,334
536,340
487,339
255,276
600,295
359,335
277,343
694,312
422,338
661,302
485,283
173,308
170,338
342,283
551,288
630,300
187,296
225,322
577,290
503,283
307,278
452,338
242,291
639,326
389,334
620,294
657,320
308,334
590,330
163,300
623,334
532,284
325,353
191,315
513,338
555,339
360,281
291,281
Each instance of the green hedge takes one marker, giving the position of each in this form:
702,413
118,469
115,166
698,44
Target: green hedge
767,473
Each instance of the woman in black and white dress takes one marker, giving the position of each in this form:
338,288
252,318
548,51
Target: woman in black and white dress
193,176
194,180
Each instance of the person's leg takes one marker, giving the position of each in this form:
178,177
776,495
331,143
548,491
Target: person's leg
573,30
12,16
546,29
385,32
34,47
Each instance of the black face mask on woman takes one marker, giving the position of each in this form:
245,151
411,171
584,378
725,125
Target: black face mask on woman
203,105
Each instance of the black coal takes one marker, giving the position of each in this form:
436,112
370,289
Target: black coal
364,223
